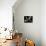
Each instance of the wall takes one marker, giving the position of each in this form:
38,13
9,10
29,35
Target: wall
43,22
29,30
6,13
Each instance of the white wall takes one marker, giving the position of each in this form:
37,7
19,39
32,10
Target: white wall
6,13
43,22
30,30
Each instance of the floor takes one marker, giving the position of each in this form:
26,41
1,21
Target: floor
9,43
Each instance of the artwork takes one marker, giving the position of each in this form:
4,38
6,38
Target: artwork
28,19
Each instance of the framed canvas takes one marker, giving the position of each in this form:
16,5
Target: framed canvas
28,19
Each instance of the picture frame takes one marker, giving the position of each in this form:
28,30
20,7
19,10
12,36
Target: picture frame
28,19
